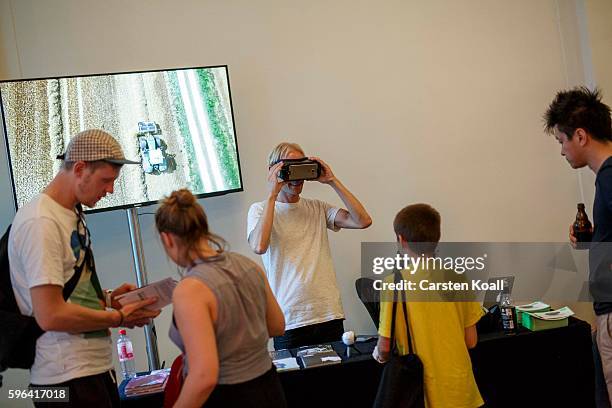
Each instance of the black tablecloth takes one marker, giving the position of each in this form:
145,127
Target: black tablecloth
550,368
530,369
355,380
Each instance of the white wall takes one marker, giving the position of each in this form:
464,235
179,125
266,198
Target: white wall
420,101
599,15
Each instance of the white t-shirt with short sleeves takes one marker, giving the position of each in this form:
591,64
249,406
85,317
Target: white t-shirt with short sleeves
43,250
298,261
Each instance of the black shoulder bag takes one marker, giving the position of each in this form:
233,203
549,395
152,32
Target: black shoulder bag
401,384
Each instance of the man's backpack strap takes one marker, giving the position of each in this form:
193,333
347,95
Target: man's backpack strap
6,293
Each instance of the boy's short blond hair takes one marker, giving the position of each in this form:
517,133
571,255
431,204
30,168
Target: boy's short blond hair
282,150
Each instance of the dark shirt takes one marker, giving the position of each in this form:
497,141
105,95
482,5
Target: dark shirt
600,256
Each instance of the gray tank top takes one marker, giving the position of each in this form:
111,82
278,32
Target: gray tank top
241,331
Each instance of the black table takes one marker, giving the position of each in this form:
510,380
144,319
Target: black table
355,380
550,368
530,369
309,386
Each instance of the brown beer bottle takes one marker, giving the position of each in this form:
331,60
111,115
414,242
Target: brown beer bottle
582,226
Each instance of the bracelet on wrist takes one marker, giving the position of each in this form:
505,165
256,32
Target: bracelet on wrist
121,316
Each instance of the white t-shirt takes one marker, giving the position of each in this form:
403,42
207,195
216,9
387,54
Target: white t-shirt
43,250
298,261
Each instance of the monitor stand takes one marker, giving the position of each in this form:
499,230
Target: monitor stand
141,280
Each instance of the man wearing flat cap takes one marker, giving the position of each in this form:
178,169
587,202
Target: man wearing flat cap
50,255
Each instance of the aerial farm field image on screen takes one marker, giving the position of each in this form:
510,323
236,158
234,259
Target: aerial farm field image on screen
177,123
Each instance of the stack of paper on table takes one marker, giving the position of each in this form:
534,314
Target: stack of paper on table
533,307
322,354
148,384
547,320
283,360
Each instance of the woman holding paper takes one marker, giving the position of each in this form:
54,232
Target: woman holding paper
224,313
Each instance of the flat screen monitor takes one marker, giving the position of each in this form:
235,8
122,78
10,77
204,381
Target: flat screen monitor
178,123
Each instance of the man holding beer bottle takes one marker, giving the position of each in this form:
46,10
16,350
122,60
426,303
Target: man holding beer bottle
581,123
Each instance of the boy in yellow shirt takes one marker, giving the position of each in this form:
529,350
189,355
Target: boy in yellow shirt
442,332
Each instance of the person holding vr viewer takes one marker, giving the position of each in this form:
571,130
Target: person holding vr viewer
224,314
290,232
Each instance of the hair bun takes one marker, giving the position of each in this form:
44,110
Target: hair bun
182,198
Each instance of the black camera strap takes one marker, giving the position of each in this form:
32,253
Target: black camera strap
88,260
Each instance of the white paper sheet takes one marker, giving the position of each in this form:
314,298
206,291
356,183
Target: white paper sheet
161,289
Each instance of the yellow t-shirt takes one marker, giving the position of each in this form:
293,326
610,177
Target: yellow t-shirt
438,338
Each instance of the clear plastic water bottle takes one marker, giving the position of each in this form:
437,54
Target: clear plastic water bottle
126,355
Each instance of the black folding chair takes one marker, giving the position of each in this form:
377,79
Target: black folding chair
369,297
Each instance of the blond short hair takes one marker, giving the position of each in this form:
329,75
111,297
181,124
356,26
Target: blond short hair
283,149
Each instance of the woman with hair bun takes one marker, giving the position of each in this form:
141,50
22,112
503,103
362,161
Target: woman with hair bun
224,314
